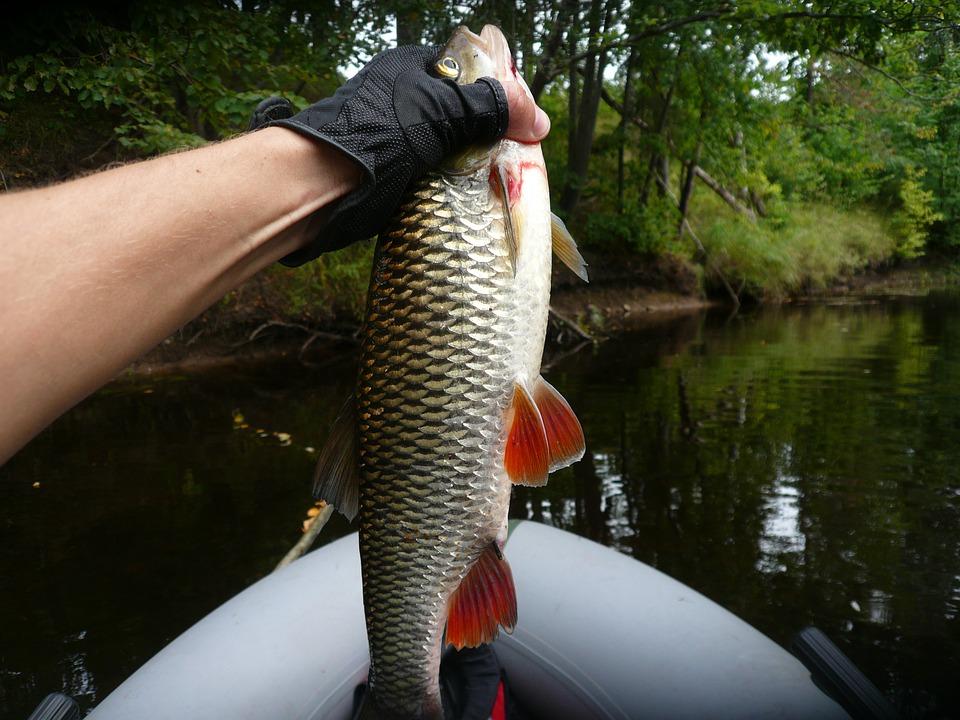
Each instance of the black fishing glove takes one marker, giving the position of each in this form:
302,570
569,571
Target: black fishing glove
397,120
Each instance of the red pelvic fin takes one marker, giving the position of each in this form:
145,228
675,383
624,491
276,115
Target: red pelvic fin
485,600
526,457
564,434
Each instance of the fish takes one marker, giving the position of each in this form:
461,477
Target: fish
450,409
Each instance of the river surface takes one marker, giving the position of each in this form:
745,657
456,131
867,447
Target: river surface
798,465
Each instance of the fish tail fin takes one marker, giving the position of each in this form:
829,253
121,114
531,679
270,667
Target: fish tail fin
485,600
565,441
337,477
365,708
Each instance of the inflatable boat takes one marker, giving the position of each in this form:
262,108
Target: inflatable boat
600,635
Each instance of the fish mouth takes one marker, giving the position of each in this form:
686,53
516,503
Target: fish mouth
498,50
484,55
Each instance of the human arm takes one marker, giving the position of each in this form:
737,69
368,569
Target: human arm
95,272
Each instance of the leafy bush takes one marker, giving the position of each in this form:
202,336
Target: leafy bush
810,246
911,222
648,229
170,75
334,286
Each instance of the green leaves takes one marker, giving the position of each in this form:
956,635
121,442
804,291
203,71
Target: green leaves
174,76
915,215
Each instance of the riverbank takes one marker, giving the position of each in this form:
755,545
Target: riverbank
260,322
255,324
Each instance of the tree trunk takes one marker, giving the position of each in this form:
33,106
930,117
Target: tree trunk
625,114
525,41
566,17
409,24
655,159
664,169
686,190
578,154
758,205
572,92
725,194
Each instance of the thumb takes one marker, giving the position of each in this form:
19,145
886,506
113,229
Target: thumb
528,123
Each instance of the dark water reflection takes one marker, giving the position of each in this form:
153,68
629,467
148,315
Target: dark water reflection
797,465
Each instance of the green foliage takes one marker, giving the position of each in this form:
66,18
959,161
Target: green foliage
806,248
915,216
173,75
823,144
332,287
845,160
649,229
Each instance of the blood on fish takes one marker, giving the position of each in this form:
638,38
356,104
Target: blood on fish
515,185
514,179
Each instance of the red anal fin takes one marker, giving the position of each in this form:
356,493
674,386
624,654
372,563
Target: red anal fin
485,600
565,441
526,458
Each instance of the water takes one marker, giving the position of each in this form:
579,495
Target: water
797,465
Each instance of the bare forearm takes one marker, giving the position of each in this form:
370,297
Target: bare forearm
95,272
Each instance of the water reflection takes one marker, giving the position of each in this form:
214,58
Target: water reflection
781,527
797,465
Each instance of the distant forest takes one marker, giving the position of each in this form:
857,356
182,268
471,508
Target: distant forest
774,145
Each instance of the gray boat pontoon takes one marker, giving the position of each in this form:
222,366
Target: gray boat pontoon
600,635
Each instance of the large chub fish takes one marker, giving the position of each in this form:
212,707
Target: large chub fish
450,408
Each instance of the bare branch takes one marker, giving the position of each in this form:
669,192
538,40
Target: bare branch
648,33
725,194
875,68
727,12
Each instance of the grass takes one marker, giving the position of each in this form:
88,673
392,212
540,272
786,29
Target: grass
803,247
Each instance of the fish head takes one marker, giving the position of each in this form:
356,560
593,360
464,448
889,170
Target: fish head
468,57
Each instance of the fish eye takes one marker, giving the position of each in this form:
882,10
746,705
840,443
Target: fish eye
448,68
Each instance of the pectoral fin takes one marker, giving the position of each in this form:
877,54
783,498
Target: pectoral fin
565,248
485,600
565,442
337,477
508,188
526,458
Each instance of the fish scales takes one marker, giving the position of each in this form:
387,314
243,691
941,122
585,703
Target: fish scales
450,408
441,351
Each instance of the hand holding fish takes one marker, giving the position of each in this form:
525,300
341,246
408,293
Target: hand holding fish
398,118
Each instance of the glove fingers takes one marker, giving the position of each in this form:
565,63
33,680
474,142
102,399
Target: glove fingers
273,108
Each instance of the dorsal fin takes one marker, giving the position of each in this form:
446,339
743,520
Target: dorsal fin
337,477
526,458
485,600
565,441
565,248
508,190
